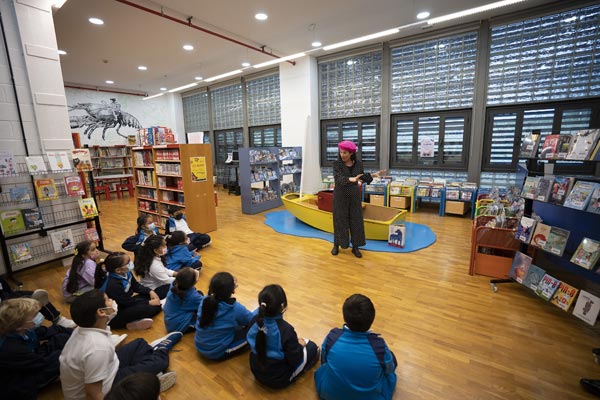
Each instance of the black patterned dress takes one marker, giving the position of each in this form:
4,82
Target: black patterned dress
348,224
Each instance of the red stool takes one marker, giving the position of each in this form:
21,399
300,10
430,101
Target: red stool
104,189
124,186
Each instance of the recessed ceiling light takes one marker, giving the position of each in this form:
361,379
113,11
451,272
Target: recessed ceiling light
62,52
261,16
163,88
316,43
110,82
188,47
246,64
142,67
423,15
96,21
198,78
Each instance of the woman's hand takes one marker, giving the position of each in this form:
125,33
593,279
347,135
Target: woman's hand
354,179
378,173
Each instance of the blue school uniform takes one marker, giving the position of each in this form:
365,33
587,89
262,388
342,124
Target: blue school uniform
181,313
180,256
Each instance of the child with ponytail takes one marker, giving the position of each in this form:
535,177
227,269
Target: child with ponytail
80,277
278,356
150,265
222,321
182,302
178,255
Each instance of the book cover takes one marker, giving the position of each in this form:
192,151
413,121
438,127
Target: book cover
595,156
74,186
32,218
19,193
547,286
594,205
12,221
529,145
526,229
542,192
36,165
557,241
580,195
563,146
520,266
540,235
81,159
533,277
88,208
62,240
59,161
550,146
46,189
564,296
7,163
20,252
560,188
587,253
530,187
584,143
91,234
587,307
397,235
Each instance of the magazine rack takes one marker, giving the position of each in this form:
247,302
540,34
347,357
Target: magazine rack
493,249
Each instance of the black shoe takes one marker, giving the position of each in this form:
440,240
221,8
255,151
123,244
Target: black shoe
590,385
356,252
335,250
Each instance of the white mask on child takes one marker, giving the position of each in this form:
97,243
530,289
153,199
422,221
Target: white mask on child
115,308
38,319
131,265
151,227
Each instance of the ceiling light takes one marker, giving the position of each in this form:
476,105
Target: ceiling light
472,11
423,15
225,75
58,3
278,60
110,82
261,16
151,97
177,89
188,47
198,78
163,88
61,52
246,64
142,67
316,43
96,21
362,39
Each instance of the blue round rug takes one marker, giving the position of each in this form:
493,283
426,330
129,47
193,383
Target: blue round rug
417,236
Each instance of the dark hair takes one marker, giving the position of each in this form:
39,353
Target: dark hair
146,254
81,250
352,156
138,386
175,238
141,221
359,312
184,281
272,301
83,309
111,262
222,286
173,209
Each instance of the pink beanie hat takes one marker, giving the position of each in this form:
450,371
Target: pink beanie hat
348,146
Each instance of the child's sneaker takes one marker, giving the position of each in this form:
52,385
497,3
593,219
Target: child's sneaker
167,342
66,322
140,324
41,296
118,339
167,380
207,244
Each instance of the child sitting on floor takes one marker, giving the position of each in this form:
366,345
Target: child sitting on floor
178,255
177,222
182,303
80,277
150,266
145,228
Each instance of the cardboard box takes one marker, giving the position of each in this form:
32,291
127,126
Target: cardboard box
457,207
377,199
400,202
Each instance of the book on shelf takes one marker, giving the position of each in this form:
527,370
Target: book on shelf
544,187
59,161
7,163
62,240
529,145
560,188
533,277
82,159
540,235
12,221
563,146
91,234
520,266
579,197
88,208
20,252
547,286
564,296
557,241
584,143
525,229
74,186
587,253
530,187
45,189
19,193
594,204
36,164
33,218
550,146
587,307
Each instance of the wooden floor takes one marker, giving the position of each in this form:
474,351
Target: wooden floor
453,337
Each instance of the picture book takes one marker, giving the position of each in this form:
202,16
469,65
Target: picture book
74,186
594,205
36,165
533,277
584,143
564,296
525,229
540,235
19,193
529,145
519,267
547,286
560,188
563,146
32,218
397,235
62,240
542,192
530,187
20,252
7,163
550,146
580,195
88,208
59,161
587,307
46,189
587,253
12,222
81,159
91,234
557,241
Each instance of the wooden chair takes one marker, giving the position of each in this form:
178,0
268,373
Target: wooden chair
124,186
105,189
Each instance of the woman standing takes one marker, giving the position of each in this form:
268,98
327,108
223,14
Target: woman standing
348,224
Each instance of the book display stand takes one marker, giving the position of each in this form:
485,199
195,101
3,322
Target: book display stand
401,195
376,192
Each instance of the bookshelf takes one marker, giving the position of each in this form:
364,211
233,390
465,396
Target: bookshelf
111,160
290,169
259,179
401,194
376,192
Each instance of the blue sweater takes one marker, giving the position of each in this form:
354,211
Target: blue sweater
179,314
179,256
213,340
355,366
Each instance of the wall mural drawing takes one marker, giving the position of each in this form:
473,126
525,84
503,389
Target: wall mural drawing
102,115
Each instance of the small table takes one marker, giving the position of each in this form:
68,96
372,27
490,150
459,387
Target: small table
124,180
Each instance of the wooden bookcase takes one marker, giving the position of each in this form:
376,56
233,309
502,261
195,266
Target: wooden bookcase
111,160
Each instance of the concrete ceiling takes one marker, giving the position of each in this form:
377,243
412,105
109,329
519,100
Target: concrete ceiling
132,37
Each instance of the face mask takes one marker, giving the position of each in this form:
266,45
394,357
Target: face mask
130,266
179,216
115,308
151,227
38,319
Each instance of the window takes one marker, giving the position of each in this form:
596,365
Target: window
263,101
448,130
364,132
227,110
195,112
227,141
265,136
